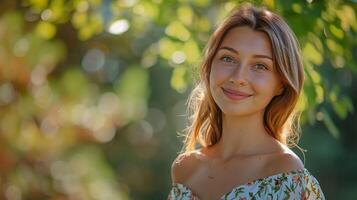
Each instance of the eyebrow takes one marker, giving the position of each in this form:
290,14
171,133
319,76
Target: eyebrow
236,52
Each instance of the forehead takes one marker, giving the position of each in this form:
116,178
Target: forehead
248,41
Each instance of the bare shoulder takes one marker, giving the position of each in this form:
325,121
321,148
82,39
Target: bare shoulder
284,161
184,166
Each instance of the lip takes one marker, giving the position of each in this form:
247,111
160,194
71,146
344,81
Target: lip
235,95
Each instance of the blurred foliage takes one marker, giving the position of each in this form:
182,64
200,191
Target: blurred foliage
92,92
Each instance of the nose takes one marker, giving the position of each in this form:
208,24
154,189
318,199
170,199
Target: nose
239,76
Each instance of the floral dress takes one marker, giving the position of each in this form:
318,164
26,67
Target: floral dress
296,184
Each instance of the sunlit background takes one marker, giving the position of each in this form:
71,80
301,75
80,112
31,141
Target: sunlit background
93,93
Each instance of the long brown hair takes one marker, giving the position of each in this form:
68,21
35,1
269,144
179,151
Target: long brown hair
281,118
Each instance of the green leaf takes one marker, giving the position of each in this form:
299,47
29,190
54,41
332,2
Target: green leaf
46,30
330,125
311,54
178,81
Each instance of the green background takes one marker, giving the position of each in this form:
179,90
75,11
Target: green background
93,93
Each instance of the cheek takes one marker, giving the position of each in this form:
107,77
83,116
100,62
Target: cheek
216,79
219,74
261,81
265,84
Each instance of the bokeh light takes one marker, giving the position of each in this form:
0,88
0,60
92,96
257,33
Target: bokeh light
118,27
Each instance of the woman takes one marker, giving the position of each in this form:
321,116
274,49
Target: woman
244,109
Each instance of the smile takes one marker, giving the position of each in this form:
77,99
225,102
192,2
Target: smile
234,96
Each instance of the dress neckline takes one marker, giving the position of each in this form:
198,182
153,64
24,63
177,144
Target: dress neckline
250,183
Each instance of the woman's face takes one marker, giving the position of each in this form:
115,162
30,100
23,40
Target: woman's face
243,79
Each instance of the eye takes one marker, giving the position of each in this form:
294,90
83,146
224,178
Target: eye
227,59
260,66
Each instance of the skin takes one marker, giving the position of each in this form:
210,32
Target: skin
243,63
245,152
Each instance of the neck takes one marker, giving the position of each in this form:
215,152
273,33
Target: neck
242,135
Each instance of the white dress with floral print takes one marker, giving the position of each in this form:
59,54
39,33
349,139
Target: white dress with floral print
296,184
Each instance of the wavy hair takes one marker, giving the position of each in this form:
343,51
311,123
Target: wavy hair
281,118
